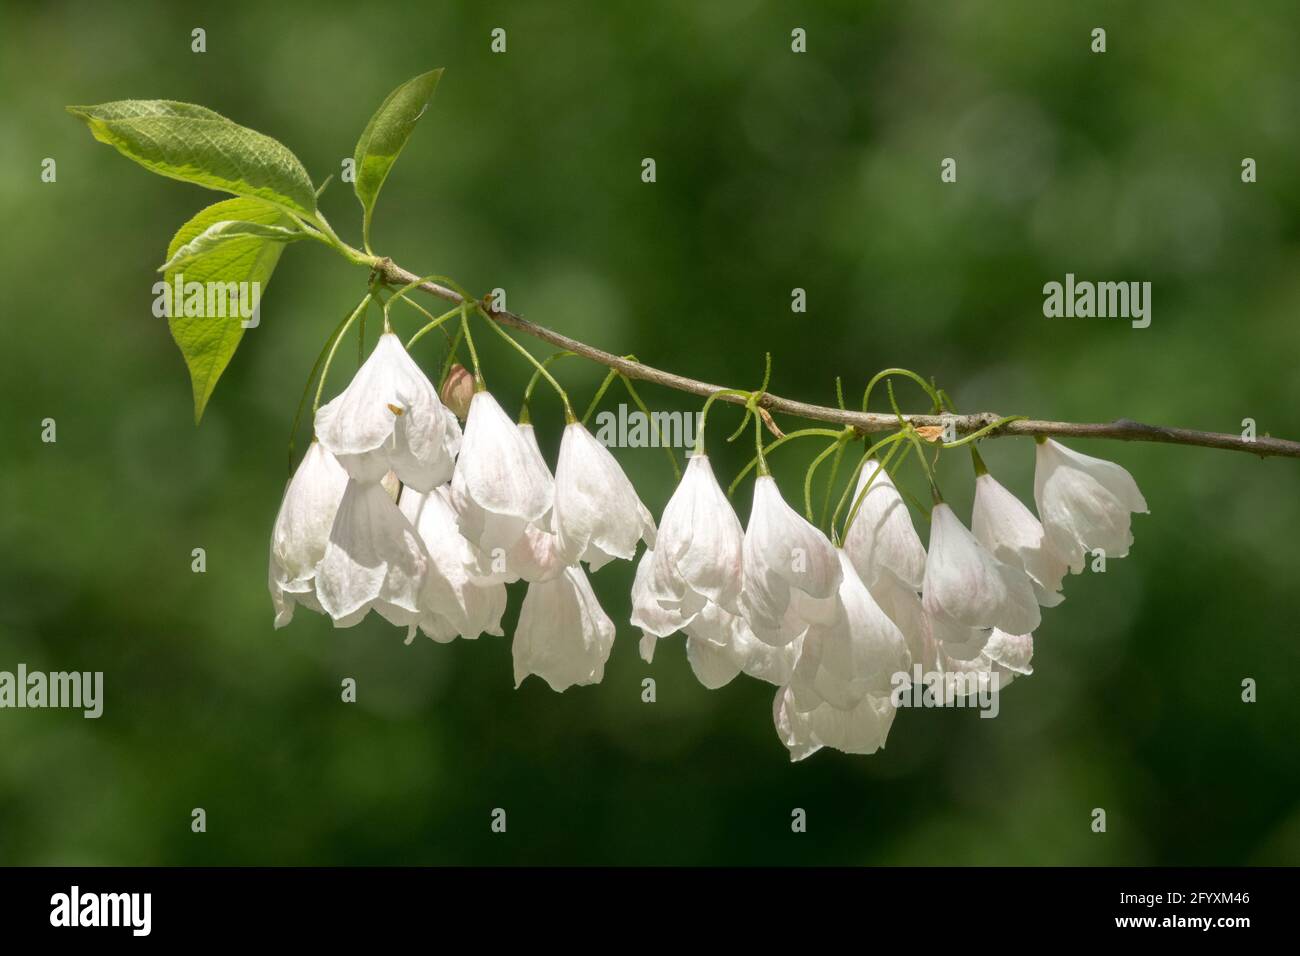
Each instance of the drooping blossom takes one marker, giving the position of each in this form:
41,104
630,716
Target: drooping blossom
855,653
456,601
598,514
966,588
881,537
390,417
790,572
563,635
374,559
500,485
301,531
1009,531
1085,503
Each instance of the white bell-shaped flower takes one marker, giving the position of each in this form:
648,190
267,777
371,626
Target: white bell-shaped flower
563,635
390,417
994,652
1003,658
882,537
456,600
1085,503
1010,654
904,608
529,435
1009,531
537,556
967,588
700,543
652,610
598,515
862,730
856,653
714,666
720,646
789,566
500,486
302,529
374,559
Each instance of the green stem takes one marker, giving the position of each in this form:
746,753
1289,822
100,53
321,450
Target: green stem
749,410
452,351
361,338
789,436
311,377
331,238
911,498
906,373
861,496
816,463
402,294
600,393
329,360
704,413
525,416
433,322
870,453
758,445
569,417
473,352
830,485
654,429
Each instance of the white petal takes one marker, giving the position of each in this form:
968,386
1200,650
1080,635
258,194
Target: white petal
374,559
862,730
700,540
455,601
782,553
301,531
730,638
856,654
647,647
882,536
647,612
901,603
966,585
500,484
563,635
389,416
598,515
1085,503
713,666
1014,652
1011,533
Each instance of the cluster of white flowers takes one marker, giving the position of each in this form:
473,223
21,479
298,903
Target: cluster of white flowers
394,509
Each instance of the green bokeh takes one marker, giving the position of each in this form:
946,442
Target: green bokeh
775,170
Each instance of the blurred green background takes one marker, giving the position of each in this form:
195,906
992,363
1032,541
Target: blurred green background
775,171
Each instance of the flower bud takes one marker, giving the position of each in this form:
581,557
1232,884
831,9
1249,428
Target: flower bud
457,390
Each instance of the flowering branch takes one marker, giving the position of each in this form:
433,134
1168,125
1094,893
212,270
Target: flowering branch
1121,429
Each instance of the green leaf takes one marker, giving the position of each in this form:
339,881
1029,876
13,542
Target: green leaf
208,343
196,145
228,230
385,135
